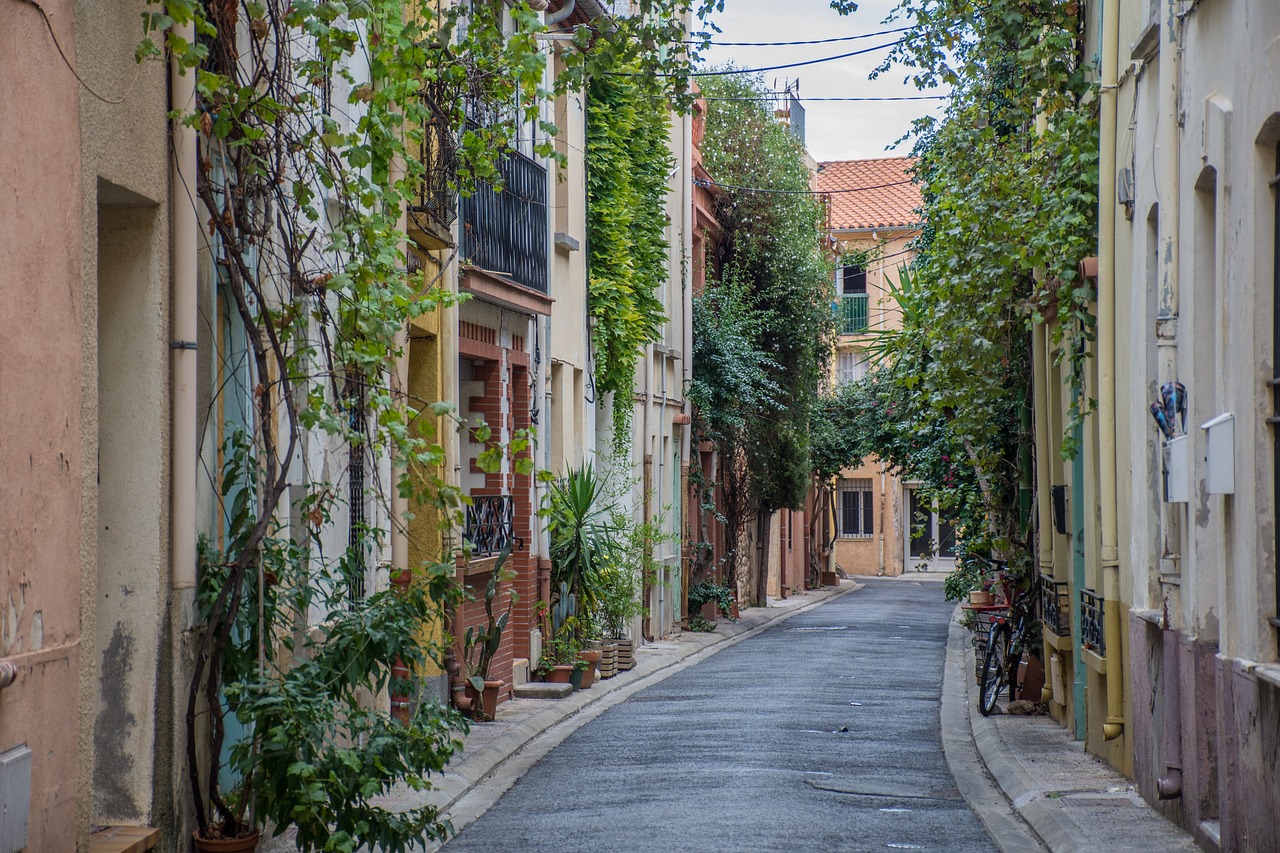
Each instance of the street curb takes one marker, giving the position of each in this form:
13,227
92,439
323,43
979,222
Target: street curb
1058,831
981,792
447,790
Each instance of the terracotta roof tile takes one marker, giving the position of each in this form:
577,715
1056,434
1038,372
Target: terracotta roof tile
891,204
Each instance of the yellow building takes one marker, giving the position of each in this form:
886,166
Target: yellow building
873,216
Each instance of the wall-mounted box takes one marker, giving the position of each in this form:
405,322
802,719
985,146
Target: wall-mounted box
1220,455
1177,470
1058,494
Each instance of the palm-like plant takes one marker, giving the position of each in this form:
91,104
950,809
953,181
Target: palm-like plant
583,537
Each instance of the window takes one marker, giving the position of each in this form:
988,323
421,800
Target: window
851,366
857,518
851,283
852,278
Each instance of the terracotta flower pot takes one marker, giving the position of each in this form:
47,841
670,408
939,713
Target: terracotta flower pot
592,657
489,699
981,597
559,674
244,844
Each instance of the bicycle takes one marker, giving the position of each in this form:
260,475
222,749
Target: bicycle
1006,645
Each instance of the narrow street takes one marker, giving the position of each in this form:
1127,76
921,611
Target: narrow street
821,733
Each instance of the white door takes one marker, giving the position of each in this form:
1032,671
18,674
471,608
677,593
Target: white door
930,538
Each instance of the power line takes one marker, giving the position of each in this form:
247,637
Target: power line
706,184
729,71
774,95
796,43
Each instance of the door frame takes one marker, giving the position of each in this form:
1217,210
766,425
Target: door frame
936,563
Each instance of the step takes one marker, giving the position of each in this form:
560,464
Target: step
543,690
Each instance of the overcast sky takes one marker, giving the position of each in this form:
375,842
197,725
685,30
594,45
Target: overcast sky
834,130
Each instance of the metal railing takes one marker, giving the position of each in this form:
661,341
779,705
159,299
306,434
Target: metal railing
853,313
490,524
436,204
505,232
1092,636
1055,605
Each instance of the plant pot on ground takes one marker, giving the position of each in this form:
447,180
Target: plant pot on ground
481,643
243,844
592,659
484,704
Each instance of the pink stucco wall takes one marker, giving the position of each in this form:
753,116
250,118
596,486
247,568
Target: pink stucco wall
40,393
1230,739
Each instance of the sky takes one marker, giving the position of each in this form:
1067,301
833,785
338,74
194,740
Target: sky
835,130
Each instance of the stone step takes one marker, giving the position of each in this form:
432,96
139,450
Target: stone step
543,690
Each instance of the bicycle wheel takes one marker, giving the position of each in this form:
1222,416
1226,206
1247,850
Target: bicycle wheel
994,671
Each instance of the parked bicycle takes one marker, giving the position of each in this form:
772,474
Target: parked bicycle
1006,647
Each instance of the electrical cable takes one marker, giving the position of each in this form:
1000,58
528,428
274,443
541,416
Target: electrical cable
795,43
706,184
728,71
776,95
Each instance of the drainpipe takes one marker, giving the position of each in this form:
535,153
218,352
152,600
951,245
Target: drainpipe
1040,392
1043,447
1114,725
182,211
1169,786
556,17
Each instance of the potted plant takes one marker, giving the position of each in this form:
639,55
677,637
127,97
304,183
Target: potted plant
481,644
707,592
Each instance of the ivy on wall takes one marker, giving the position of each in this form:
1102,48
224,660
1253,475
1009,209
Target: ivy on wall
627,166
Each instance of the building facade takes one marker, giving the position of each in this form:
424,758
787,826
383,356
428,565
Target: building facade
879,525
1161,605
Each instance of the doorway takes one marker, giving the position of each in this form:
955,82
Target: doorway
930,537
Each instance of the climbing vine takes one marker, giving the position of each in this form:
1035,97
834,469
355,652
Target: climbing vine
627,166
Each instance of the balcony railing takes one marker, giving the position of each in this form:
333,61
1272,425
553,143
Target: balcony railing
490,524
506,232
853,313
1055,604
1092,636
436,205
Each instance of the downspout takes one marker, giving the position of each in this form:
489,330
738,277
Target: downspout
185,265
1114,725
1169,786
556,17
1043,447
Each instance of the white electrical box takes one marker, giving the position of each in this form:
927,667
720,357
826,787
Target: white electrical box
15,798
1220,455
1177,470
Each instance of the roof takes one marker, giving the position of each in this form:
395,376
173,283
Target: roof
870,193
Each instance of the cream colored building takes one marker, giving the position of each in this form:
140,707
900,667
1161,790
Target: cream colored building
1175,584
872,219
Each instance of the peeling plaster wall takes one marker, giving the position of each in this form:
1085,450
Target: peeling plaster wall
128,748
1213,569
40,458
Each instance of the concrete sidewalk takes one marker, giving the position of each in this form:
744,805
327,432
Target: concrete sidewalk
1070,800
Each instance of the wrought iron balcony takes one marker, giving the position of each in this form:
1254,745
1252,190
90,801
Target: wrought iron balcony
505,232
1055,604
1092,636
436,206
490,524
853,313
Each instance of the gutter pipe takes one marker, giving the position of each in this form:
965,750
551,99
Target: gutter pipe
1114,725
184,266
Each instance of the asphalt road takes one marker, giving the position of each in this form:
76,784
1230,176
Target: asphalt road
821,733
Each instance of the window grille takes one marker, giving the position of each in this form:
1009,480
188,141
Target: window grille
357,524
857,519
